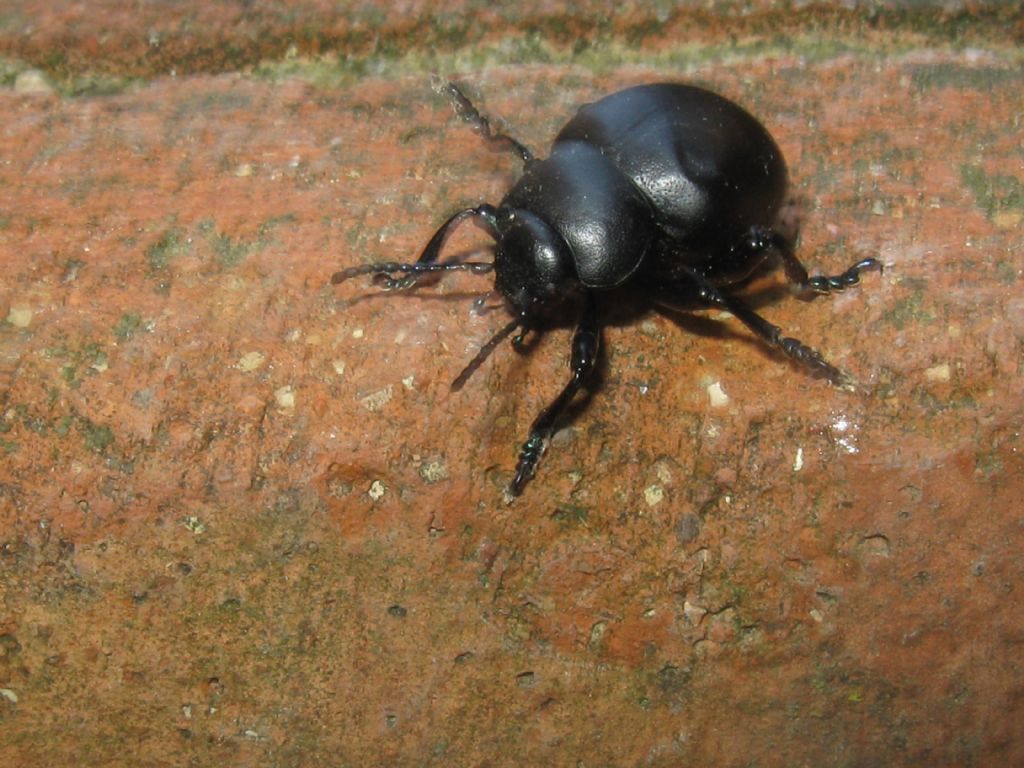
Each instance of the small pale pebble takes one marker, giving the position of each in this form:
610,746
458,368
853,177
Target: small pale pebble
33,81
939,372
377,490
653,495
19,317
375,401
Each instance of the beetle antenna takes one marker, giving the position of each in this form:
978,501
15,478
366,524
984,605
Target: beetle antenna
484,353
390,268
465,109
484,215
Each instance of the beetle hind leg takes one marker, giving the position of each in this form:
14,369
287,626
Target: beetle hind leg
709,295
793,348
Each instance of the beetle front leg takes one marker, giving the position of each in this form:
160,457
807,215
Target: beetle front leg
586,344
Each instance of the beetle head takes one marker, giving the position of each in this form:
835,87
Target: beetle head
531,261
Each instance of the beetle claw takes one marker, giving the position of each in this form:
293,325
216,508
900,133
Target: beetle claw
529,456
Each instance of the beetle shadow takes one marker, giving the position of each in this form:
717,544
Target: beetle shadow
464,296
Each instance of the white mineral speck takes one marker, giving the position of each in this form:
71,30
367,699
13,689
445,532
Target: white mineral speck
717,395
377,490
375,401
285,397
250,361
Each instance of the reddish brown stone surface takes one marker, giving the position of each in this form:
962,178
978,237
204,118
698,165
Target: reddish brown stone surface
244,521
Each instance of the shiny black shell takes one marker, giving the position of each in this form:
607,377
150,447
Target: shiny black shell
663,172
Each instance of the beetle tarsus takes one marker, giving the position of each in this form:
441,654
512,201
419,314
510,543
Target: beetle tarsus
529,456
831,284
812,359
796,273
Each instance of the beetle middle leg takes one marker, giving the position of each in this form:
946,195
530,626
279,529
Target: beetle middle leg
796,272
586,344
680,295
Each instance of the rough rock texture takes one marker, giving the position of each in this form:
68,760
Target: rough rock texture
243,521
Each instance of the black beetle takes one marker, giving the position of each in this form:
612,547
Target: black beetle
670,191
